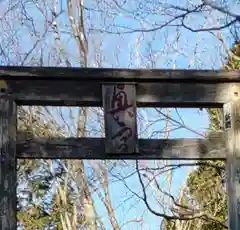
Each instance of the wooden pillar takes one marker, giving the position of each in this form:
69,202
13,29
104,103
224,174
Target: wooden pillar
8,178
119,103
232,137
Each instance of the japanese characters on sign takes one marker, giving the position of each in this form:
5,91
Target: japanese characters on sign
120,118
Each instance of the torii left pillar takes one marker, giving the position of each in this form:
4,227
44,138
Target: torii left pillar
8,174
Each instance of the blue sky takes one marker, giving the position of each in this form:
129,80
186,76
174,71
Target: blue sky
195,50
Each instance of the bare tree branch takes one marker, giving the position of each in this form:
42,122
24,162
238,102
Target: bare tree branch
189,216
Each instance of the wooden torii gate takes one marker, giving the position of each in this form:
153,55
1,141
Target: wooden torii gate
119,91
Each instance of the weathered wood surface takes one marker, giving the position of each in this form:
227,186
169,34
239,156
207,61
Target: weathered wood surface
110,74
77,93
8,180
119,103
232,130
94,148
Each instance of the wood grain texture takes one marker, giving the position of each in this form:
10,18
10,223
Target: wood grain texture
119,103
232,130
8,179
94,148
77,93
110,74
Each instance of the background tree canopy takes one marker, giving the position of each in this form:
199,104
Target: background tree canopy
205,187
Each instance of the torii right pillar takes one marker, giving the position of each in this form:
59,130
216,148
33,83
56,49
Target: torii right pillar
231,111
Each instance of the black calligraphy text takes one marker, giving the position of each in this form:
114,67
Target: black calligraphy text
119,103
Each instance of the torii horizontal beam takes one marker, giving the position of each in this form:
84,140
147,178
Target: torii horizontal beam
154,88
118,74
94,148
